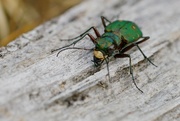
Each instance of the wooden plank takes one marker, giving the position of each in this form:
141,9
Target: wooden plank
37,85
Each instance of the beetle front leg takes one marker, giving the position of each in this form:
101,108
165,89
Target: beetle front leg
130,67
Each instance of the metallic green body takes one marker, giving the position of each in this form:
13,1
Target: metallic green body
116,33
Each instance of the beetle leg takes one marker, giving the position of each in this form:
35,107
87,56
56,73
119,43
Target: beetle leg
80,37
70,44
62,48
144,54
92,38
107,63
131,45
130,67
84,33
96,32
103,21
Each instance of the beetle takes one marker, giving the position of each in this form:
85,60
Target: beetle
119,36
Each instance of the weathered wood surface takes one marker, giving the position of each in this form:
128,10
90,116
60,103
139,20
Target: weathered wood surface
35,85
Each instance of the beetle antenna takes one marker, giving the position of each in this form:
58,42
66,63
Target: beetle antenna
72,48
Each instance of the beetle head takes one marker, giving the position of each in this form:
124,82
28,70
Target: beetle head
99,57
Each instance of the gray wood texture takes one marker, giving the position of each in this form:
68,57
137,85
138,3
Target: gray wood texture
35,85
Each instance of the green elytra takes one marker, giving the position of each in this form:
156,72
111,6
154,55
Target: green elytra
129,30
118,38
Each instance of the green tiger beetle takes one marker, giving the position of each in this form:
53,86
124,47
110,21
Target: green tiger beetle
119,36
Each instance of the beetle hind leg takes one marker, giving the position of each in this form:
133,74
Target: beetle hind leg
144,55
131,45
